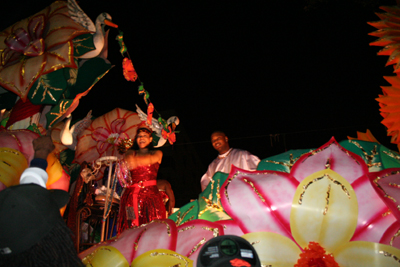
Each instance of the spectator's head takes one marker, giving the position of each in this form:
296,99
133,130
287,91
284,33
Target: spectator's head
32,231
228,250
219,141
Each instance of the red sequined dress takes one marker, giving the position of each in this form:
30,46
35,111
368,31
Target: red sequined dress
141,202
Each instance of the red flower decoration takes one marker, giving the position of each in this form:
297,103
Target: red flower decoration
315,255
150,110
129,71
170,135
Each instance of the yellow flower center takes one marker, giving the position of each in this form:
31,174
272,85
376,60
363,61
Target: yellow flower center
112,137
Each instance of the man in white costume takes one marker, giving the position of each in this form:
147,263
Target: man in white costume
227,157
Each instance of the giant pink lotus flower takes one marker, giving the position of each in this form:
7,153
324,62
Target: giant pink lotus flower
326,198
36,46
267,203
274,211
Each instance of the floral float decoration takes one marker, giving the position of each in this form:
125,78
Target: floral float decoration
128,70
388,33
329,206
52,60
37,46
105,134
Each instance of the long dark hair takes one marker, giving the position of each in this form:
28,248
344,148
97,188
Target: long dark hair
56,249
135,145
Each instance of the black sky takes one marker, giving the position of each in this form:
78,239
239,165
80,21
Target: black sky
271,74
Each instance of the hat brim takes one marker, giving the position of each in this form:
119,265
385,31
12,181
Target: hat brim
61,197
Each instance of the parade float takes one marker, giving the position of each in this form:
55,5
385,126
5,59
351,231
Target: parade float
333,205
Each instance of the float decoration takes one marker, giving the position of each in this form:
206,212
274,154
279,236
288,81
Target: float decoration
388,34
53,30
105,134
22,110
326,203
367,136
89,73
386,184
120,40
70,57
160,136
207,207
282,162
12,164
129,72
376,156
97,29
162,257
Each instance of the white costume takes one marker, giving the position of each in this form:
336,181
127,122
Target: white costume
240,158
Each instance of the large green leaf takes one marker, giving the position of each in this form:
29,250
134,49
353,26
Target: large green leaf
49,88
83,44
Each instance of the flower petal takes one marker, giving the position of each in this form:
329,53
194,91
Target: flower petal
387,185
156,234
391,236
322,202
342,161
374,216
100,134
61,57
18,78
161,258
192,235
57,34
106,256
274,249
62,27
116,125
231,227
103,147
366,254
256,200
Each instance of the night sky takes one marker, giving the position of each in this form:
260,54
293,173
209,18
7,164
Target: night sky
273,75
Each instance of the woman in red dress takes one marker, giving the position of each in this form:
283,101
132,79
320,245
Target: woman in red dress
141,201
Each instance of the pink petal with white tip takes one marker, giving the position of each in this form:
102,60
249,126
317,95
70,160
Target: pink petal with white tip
387,184
373,214
391,236
193,234
230,227
154,235
260,200
333,156
158,234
